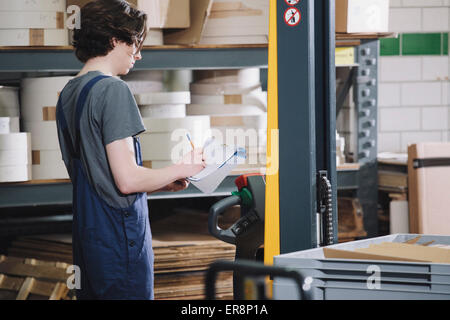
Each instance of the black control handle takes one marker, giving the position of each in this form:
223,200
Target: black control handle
213,220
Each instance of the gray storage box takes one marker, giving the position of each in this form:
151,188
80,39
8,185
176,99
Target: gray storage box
365,279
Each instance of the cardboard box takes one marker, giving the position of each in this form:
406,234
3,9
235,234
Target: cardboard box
392,251
428,187
161,13
361,16
199,12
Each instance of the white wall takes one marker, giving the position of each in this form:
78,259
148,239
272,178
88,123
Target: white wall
414,91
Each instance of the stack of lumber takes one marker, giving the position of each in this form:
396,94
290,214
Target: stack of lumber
183,251
52,247
31,279
237,22
39,97
237,106
33,23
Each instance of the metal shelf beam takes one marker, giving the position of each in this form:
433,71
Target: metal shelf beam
60,60
48,194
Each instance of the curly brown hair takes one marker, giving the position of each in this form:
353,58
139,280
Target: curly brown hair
105,20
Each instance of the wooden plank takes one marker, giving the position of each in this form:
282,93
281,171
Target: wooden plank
42,272
42,288
58,291
25,289
11,284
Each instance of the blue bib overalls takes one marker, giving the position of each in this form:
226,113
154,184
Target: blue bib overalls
112,247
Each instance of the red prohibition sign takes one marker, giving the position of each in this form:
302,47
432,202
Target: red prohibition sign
292,2
292,17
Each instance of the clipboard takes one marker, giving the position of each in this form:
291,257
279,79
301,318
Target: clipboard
220,160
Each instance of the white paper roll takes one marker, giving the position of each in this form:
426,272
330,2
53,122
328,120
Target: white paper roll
169,146
222,89
15,173
15,141
247,77
47,157
33,105
219,109
9,125
44,172
33,5
182,97
29,19
256,98
399,217
138,87
9,112
178,80
193,124
144,75
9,102
15,157
154,38
256,122
30,37
31,101
38,86
158,164
163,110
44,135
241,137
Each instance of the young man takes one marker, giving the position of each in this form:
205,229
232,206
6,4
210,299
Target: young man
98,120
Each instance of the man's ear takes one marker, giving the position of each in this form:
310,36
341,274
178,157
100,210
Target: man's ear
114,42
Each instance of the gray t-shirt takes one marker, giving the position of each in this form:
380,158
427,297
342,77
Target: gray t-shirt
110,114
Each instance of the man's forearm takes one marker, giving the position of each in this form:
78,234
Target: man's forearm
152,180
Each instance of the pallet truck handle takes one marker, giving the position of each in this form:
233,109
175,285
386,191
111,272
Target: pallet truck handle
251,268
213,220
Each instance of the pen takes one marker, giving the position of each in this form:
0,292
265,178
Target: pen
189,138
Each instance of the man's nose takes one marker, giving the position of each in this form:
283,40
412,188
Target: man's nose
138,56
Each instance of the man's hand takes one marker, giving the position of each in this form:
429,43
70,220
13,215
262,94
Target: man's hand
192,162
176,186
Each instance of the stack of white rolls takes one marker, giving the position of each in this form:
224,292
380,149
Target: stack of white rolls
165,141
39,97
15,146
237,22
33,23
164,116
237,107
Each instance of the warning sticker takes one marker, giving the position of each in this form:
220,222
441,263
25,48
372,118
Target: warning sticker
292,17
292,2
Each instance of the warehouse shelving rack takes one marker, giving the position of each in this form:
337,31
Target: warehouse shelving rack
61,60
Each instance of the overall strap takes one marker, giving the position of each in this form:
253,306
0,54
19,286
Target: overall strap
137,151
75,152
